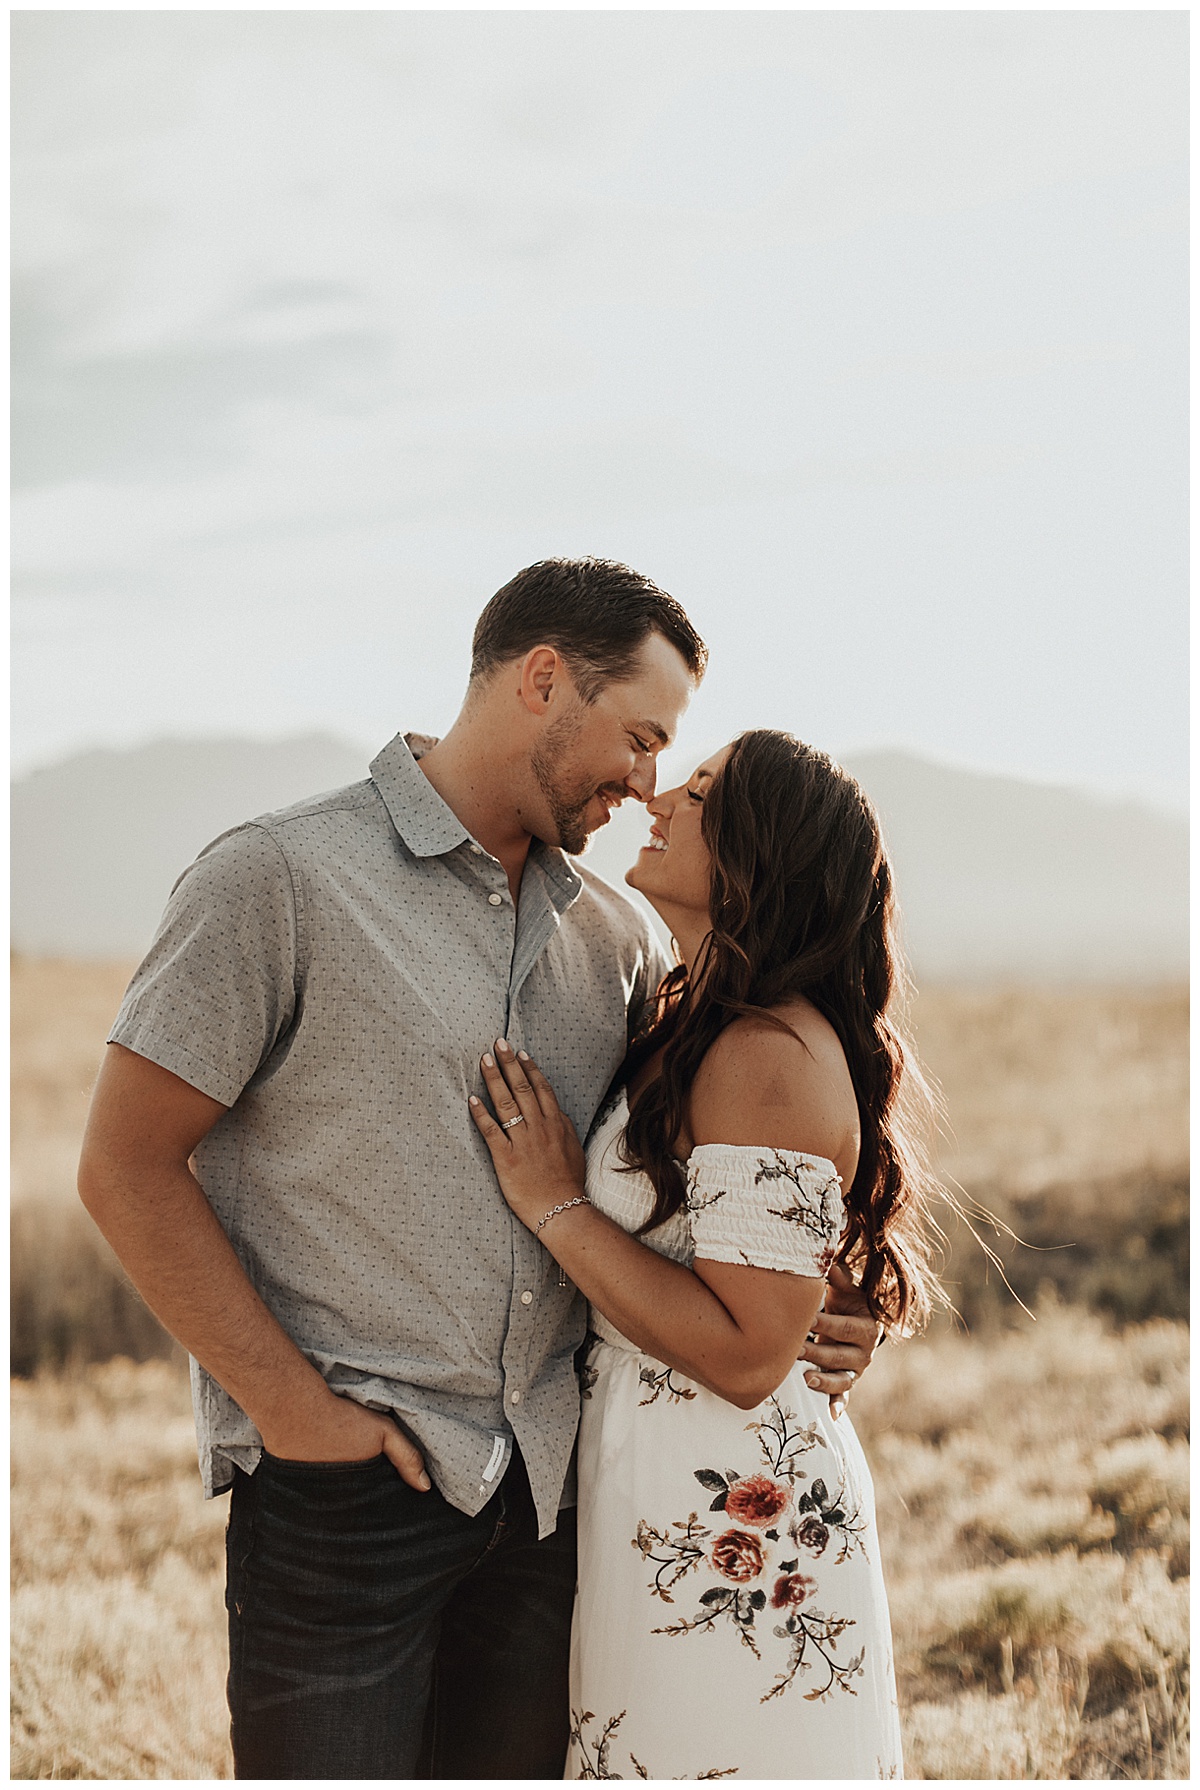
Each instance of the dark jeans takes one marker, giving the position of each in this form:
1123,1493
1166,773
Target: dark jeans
378,1632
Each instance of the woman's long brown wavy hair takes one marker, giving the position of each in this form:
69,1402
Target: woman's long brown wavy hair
801,903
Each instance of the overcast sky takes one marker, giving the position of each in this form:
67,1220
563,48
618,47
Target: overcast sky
863,333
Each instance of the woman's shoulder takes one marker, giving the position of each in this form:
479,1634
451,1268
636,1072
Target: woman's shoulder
782,1085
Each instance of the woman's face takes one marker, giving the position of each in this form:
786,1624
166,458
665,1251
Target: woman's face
675,870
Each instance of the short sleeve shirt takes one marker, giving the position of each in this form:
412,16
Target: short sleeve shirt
332,973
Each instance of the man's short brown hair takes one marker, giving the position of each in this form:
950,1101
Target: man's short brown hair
595,612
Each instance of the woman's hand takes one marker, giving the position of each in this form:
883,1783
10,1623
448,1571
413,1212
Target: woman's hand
538,1157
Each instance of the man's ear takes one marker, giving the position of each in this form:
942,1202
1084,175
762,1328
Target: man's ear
543,679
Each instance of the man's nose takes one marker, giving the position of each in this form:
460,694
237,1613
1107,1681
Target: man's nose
641,780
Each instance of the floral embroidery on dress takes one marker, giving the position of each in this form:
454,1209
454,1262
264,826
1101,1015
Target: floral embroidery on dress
663,1382
698,1202
769,1521
597,1763
822,1220
753,1526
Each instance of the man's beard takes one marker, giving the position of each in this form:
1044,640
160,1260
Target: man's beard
568,805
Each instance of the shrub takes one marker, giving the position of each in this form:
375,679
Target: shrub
71,1300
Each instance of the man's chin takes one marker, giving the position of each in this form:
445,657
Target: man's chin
574,840
593,827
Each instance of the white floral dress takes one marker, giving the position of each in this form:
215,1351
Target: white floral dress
730,1619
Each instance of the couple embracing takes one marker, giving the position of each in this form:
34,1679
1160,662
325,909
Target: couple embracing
336,1144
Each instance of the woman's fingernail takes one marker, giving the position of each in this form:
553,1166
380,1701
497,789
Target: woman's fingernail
473,1100
423,1482
489,1061
812,1380
503,1044
523,1056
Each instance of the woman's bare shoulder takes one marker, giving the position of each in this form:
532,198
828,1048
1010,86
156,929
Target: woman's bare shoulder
787,1089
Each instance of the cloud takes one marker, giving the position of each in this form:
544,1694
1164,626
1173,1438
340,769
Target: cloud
173,412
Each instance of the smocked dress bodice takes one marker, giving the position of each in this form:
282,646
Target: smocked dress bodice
746,1204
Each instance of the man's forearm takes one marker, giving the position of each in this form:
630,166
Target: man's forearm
168,1239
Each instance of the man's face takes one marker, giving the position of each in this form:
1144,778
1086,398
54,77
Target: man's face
596,754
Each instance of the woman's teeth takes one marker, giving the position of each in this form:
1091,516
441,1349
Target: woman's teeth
655,844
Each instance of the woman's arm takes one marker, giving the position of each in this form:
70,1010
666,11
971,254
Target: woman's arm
736,1330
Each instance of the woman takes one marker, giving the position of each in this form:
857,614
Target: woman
731,1617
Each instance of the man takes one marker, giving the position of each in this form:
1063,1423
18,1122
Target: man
382,1355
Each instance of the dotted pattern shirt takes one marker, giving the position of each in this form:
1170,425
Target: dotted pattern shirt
332,973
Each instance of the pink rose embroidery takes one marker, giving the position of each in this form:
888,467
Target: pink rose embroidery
757,1501
793,1588
738,1556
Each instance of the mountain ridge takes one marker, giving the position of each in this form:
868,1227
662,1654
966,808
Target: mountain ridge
998,877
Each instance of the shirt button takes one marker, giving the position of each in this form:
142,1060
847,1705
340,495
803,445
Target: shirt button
495,900
477,851
514,1398
526,1298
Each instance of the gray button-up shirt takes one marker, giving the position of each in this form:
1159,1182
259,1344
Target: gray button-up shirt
332,973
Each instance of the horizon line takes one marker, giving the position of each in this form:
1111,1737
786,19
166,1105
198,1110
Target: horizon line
1173,808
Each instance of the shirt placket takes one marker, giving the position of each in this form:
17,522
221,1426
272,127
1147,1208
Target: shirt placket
536,1299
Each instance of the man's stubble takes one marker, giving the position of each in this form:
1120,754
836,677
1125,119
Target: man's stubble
566,798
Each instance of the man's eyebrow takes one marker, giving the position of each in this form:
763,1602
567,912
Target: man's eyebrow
654,727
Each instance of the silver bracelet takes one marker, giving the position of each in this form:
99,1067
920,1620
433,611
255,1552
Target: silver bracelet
581,1200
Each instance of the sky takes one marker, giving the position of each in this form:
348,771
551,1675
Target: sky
862,333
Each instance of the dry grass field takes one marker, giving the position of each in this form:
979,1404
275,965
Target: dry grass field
1031,1476
1033,1501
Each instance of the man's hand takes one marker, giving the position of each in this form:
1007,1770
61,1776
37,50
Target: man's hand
135,1180
338,1429
845,1336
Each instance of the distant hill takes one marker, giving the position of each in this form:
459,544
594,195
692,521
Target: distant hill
998,878
98,840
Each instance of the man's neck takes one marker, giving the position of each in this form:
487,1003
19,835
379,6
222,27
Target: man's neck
469,773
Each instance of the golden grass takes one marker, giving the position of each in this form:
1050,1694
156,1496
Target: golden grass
1051,1086
1043,1086
59,1017
1033,1508
1033,1503
1068,1113
117,1614
1032,1481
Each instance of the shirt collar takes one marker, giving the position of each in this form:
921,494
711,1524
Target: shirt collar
424,822
429,827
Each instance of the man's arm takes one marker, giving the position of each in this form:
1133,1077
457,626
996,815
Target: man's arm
135,1181
846,1337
